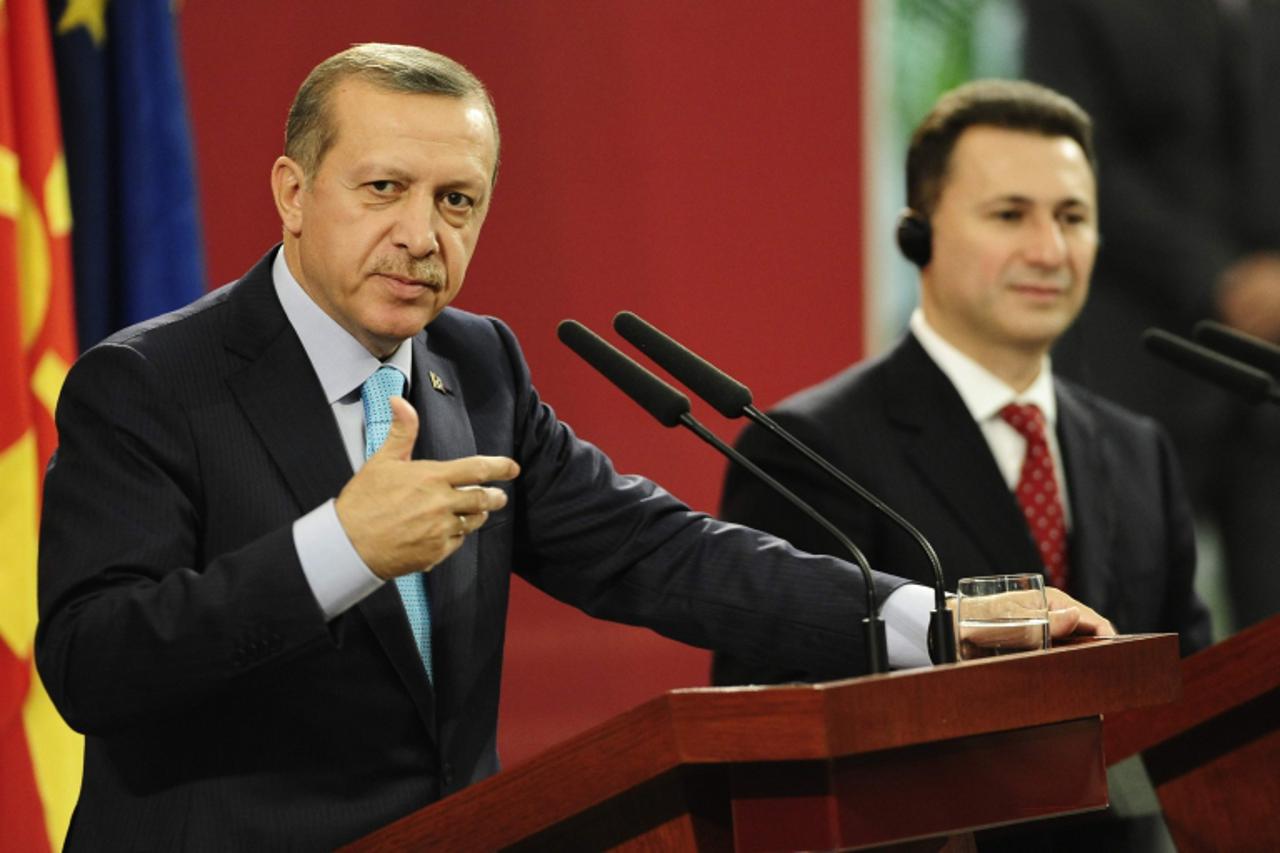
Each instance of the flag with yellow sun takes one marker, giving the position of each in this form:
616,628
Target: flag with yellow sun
40,759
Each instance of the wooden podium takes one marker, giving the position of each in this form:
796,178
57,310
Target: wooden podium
1214,755
918,755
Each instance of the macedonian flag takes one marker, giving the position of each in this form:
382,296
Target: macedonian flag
40,758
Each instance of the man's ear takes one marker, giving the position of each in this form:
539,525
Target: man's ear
287,187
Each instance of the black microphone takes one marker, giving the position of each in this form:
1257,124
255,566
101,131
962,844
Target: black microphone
1238,345
671,408
732,399
1252,384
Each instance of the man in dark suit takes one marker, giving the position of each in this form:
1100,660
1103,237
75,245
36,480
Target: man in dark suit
1003,225
963,428
267,651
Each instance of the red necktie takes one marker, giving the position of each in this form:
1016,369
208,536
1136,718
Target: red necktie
1038,493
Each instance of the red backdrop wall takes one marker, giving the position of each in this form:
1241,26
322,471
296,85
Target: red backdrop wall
695,162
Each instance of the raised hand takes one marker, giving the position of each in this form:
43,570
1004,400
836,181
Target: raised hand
405,515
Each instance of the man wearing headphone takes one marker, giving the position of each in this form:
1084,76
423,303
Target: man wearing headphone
1003,226
962,426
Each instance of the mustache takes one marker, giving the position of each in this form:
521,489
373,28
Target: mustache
428,270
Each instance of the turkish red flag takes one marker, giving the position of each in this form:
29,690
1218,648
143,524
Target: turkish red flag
37,344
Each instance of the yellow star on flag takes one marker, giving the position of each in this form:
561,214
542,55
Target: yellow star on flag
90,14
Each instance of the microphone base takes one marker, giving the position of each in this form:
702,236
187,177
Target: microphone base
877,645
942,637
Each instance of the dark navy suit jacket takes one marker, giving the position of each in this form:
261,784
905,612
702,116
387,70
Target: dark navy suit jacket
898,426
178,632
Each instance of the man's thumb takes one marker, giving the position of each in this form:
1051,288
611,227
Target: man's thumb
403,432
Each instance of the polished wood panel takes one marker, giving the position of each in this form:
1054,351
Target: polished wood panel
1213,754
662,775
920,791
1215,681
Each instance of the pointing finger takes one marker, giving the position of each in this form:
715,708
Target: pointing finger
472,470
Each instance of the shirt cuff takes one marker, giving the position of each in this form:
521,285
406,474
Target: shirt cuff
906,621
333,568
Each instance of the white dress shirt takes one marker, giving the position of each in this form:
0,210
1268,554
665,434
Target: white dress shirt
984,395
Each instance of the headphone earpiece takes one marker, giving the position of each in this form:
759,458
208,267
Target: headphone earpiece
915,238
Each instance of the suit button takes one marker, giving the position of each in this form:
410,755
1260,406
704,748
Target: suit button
446,775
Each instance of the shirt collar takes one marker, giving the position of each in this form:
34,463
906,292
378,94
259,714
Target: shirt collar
340,361
984,394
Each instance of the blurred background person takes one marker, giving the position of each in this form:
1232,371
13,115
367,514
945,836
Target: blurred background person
1185,96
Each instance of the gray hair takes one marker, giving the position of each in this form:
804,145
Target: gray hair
310,132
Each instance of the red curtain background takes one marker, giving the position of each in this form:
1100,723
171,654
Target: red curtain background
698,163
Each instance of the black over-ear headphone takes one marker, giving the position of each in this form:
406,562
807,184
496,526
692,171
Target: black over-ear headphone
915,238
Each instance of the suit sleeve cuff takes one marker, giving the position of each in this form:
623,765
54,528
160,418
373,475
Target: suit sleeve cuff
906,621
337,576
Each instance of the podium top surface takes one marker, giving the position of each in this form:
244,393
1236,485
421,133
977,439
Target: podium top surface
796,722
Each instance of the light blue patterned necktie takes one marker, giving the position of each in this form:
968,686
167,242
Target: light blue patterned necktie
376,394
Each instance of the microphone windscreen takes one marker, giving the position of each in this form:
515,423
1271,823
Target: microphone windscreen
653,395
725,394
1250,383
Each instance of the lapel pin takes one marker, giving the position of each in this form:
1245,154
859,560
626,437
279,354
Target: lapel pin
437,383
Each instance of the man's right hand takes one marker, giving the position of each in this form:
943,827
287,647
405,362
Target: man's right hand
405,515
1068,616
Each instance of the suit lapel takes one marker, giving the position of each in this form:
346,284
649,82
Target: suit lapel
446,433
1093,522
947,449
279,394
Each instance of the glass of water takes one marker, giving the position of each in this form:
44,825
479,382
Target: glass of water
1000,615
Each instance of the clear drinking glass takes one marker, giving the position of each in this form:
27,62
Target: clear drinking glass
1000,615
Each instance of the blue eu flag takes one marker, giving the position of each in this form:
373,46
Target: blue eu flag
136,245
